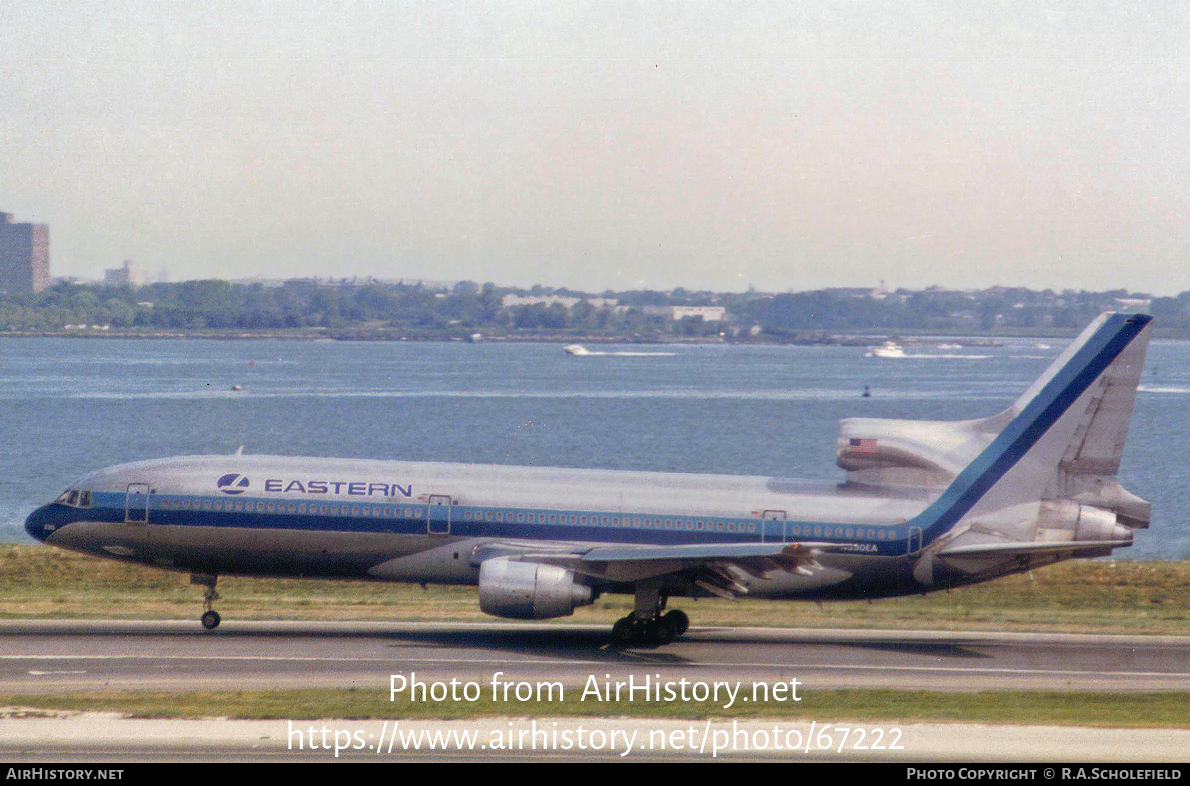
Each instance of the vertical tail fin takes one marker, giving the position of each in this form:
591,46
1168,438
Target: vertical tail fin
1063,438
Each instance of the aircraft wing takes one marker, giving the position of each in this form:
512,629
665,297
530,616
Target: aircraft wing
722,570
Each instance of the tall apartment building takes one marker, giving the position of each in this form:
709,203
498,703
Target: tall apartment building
24,256
130,273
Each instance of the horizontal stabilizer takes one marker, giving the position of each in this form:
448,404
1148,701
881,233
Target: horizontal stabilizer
1003,550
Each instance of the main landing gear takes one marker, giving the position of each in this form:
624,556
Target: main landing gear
646,624
661,629
210,618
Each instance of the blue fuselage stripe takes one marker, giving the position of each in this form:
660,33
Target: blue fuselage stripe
483,522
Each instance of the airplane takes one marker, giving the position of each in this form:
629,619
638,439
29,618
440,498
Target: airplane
925,505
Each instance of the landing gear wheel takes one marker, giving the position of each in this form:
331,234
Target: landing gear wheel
623,632
678,621
658,631
646,624
210,620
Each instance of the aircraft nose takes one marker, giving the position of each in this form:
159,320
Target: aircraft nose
38,525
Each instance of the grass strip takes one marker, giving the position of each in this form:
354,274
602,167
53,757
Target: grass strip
1049,708
1101,596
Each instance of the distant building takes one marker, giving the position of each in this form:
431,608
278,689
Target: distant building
509,301
129,274
678,313
708,313
24,256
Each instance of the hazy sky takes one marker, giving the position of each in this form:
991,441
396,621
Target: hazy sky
783,145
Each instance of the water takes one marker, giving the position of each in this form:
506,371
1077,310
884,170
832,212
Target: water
69,406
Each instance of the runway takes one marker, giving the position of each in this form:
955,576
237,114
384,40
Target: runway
56,656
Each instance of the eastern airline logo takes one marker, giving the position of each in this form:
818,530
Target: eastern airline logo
232,483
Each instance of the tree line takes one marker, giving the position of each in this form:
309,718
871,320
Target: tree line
469,307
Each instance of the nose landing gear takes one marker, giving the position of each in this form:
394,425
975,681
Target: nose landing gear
210,618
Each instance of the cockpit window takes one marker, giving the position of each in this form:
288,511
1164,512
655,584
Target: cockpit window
75,498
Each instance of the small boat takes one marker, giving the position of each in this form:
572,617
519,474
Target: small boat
889,349
576,349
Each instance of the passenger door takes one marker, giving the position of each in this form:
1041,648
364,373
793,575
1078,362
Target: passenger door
438,515
773,515
136,503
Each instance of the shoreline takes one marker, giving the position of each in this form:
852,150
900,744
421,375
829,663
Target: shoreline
865,338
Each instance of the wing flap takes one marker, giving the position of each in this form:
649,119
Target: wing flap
723,570
697,551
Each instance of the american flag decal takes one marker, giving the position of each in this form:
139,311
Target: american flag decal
862,445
